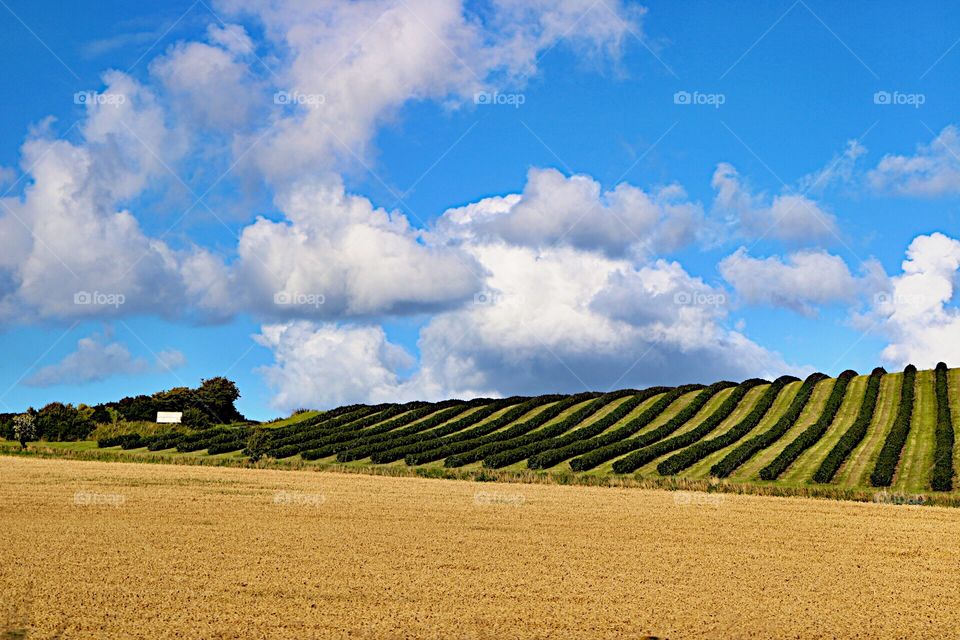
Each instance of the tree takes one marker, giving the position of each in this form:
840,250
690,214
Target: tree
257,444
24,429
59,421
195,418
216,397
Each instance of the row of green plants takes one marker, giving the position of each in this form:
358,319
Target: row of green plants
855,434
440,448
339,430
942,479
749,448
619,447
502,454
700,450
889,458
639,458
365,446
495,442
812,434
531,451
397,448
557,455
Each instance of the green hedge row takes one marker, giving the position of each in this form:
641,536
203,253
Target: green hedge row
641,457
812,434
620,447
855,434
507,453
943,457
344,439
555,451
495,441
397,449
369,445
700,450
748,449
444,447
228,435
346,424
882,475
120,441
555,456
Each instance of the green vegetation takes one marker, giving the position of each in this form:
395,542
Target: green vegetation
886,466
841,435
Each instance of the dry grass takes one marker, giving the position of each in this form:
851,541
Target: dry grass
175,551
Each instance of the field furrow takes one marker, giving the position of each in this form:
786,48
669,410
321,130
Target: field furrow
916,461
856,471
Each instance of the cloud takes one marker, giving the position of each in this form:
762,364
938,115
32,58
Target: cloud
326,365
335,255
347,67
915,312
841,169
211,84
801,281
574,211
933,171
791,217
549,320
97,358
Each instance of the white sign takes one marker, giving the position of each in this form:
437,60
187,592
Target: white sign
169,417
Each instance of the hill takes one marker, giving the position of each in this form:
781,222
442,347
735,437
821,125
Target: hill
855,431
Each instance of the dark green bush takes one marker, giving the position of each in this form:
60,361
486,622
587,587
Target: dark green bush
554,451
855,434
700,450
889,457
942,479
612,445
639,458
489,444
812,434
748,449
439,449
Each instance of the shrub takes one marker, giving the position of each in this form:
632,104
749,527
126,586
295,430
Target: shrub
855,434
615,443
942,479
440,449
700,450
889,457
812,434
394,450
24,429
195,418
257,444
488,444
367,446
554,451
643,456
748,449
502,454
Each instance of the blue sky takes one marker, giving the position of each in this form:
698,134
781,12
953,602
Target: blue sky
400,129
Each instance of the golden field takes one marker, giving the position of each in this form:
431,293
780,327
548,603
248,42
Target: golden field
94,550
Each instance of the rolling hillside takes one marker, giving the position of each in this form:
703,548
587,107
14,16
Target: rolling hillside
881,429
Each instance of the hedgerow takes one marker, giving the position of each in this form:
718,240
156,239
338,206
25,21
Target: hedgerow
348,423
882,475
549,453
639,458
525,446
812,434
120,441
394,450
621,447
700,450
346,439
491,444
748,449
855,434
942,479
441,448
366,446
227,436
